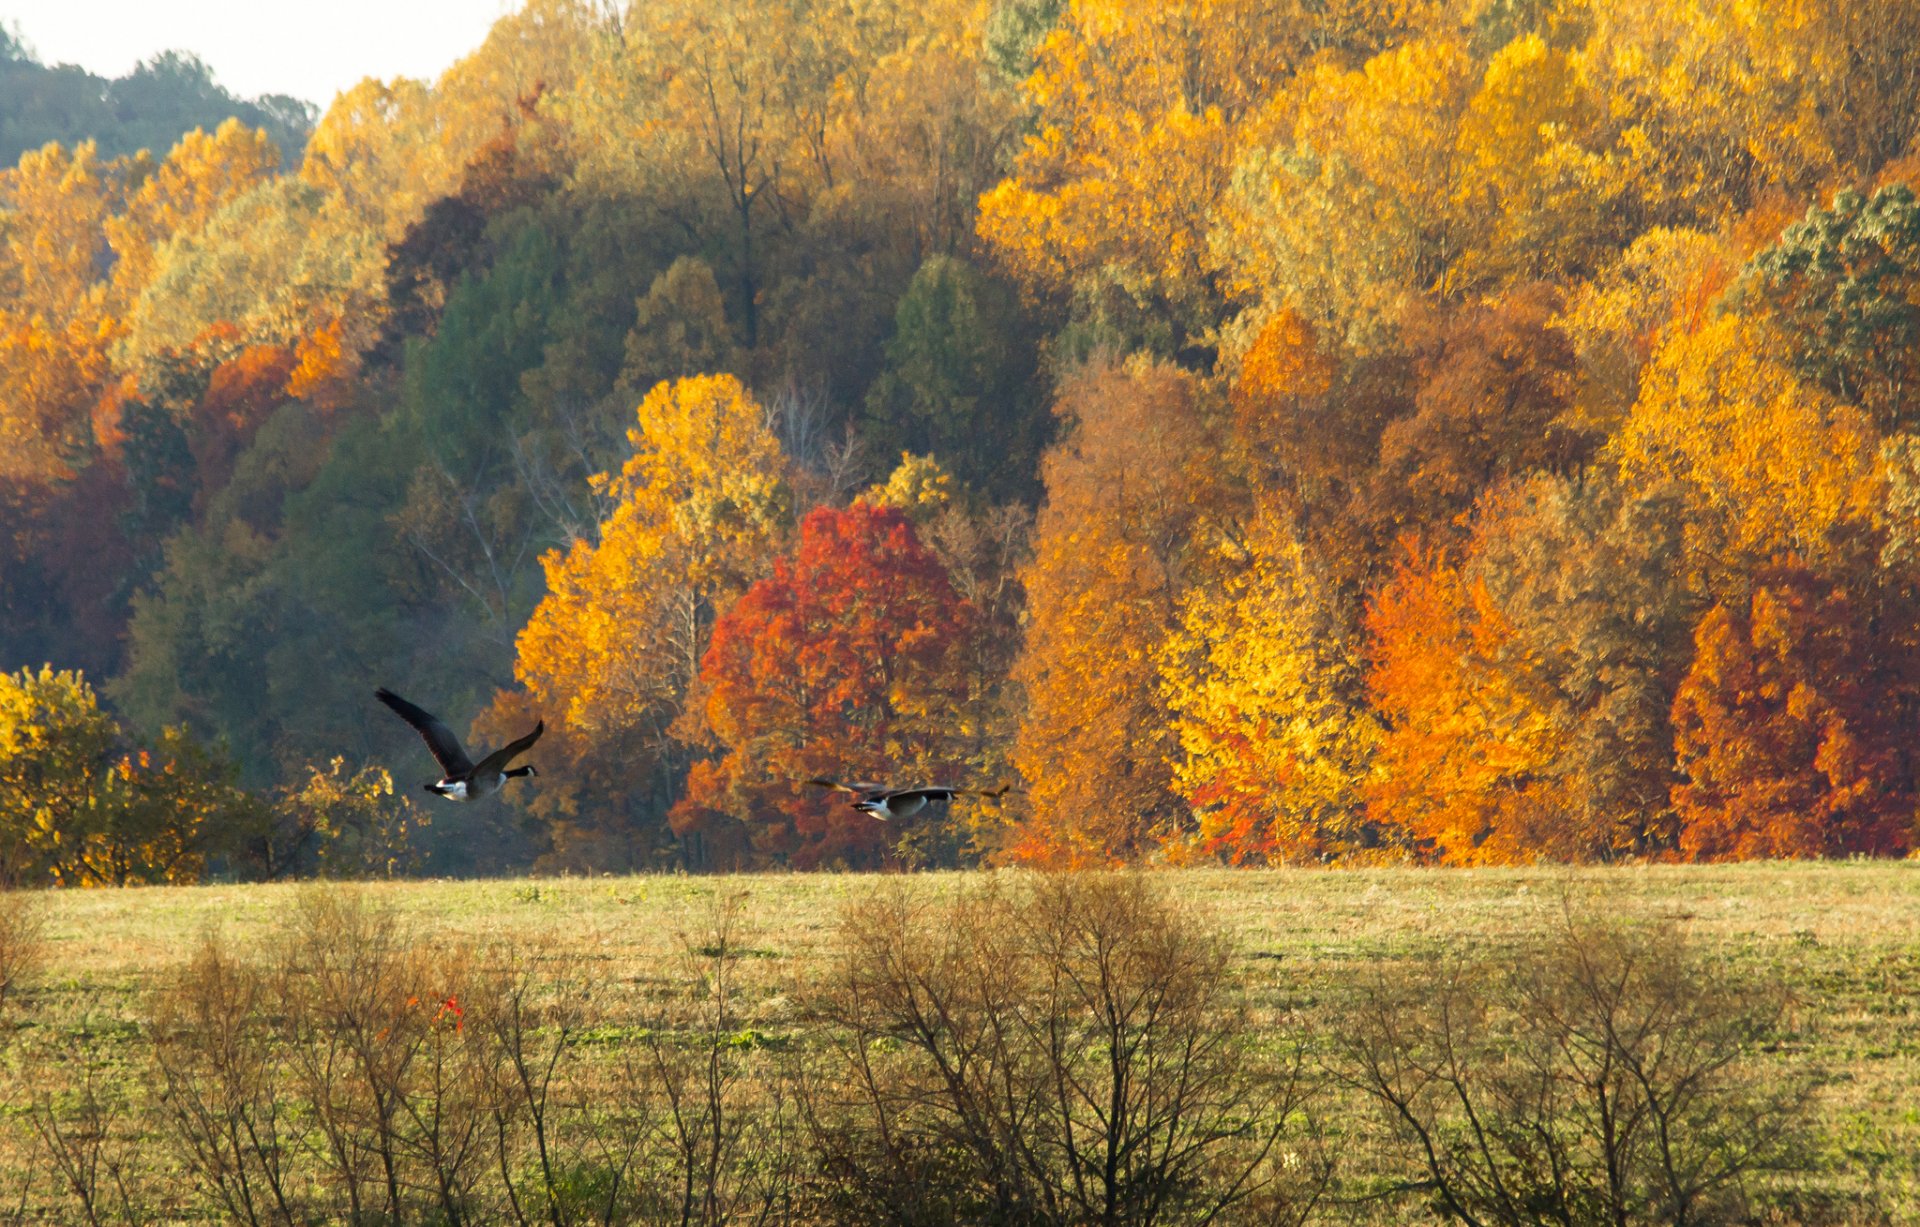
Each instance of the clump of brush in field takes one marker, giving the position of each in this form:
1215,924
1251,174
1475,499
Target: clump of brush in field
1058,1050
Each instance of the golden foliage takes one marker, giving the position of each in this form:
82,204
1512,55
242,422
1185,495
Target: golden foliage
1463,767
1353,211
1129,491
1263,680
1138,103
202,175
1766,463
611,652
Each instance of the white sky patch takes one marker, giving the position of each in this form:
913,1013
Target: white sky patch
255,47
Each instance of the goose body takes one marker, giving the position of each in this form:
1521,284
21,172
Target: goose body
887,804
463,779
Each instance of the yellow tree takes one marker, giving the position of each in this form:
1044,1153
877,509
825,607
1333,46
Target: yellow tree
924,134
1765,463
78,809
1665,280
375,152
1264,681
1530,186
201,176
1714,102
55,328
281,265
1130,489
982,547
1139,103
1352,208
50,374
610,654
385,150
54,743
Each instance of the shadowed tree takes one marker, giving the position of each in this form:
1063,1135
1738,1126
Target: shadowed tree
1789,727
1130,485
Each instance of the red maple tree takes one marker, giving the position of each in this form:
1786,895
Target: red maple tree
848,661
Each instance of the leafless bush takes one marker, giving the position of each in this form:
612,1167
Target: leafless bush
724,1147
564,1138
1067,1050
1601,1075
79,1118
376,1044
22,940
362,1072
222,1089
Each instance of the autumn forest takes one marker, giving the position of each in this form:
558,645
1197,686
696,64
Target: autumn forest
1450,432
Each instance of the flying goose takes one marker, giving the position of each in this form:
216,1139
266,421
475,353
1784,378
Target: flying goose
887,803
465,780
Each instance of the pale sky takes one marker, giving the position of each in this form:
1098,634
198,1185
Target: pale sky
310,49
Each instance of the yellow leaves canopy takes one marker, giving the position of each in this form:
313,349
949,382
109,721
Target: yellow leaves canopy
1765,463
696,512
1353,212
1138,104
1264,685
1129,489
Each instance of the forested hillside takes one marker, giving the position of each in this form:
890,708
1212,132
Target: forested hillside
1462,431
150,108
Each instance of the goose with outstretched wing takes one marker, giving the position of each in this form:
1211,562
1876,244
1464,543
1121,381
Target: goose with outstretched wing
890,803
462,778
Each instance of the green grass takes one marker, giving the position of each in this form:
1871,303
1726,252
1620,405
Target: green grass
1843,938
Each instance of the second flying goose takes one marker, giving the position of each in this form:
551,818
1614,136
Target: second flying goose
888,803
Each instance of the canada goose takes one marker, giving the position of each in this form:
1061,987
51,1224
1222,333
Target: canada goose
465,780
888,803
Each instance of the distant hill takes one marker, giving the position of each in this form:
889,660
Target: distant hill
149,108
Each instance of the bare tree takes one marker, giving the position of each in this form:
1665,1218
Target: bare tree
1601,1075
1067,1051
725,1146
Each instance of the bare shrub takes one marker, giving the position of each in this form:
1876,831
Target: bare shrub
23,943
1064,1050
359,1071
376,1044
565,1138
80,1119
723,1147
362,1072
1602,1075
223,1097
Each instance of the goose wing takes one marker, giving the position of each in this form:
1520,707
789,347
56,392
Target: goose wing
858,790
498,760
439,738
940,792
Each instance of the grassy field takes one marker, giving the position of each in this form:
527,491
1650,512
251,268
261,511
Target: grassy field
1843,938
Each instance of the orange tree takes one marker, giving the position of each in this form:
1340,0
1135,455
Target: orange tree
849,660
1789,726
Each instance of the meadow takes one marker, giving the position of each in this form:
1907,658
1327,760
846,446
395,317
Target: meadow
1842,940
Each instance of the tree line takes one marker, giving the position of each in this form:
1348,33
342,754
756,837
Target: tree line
1449,431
